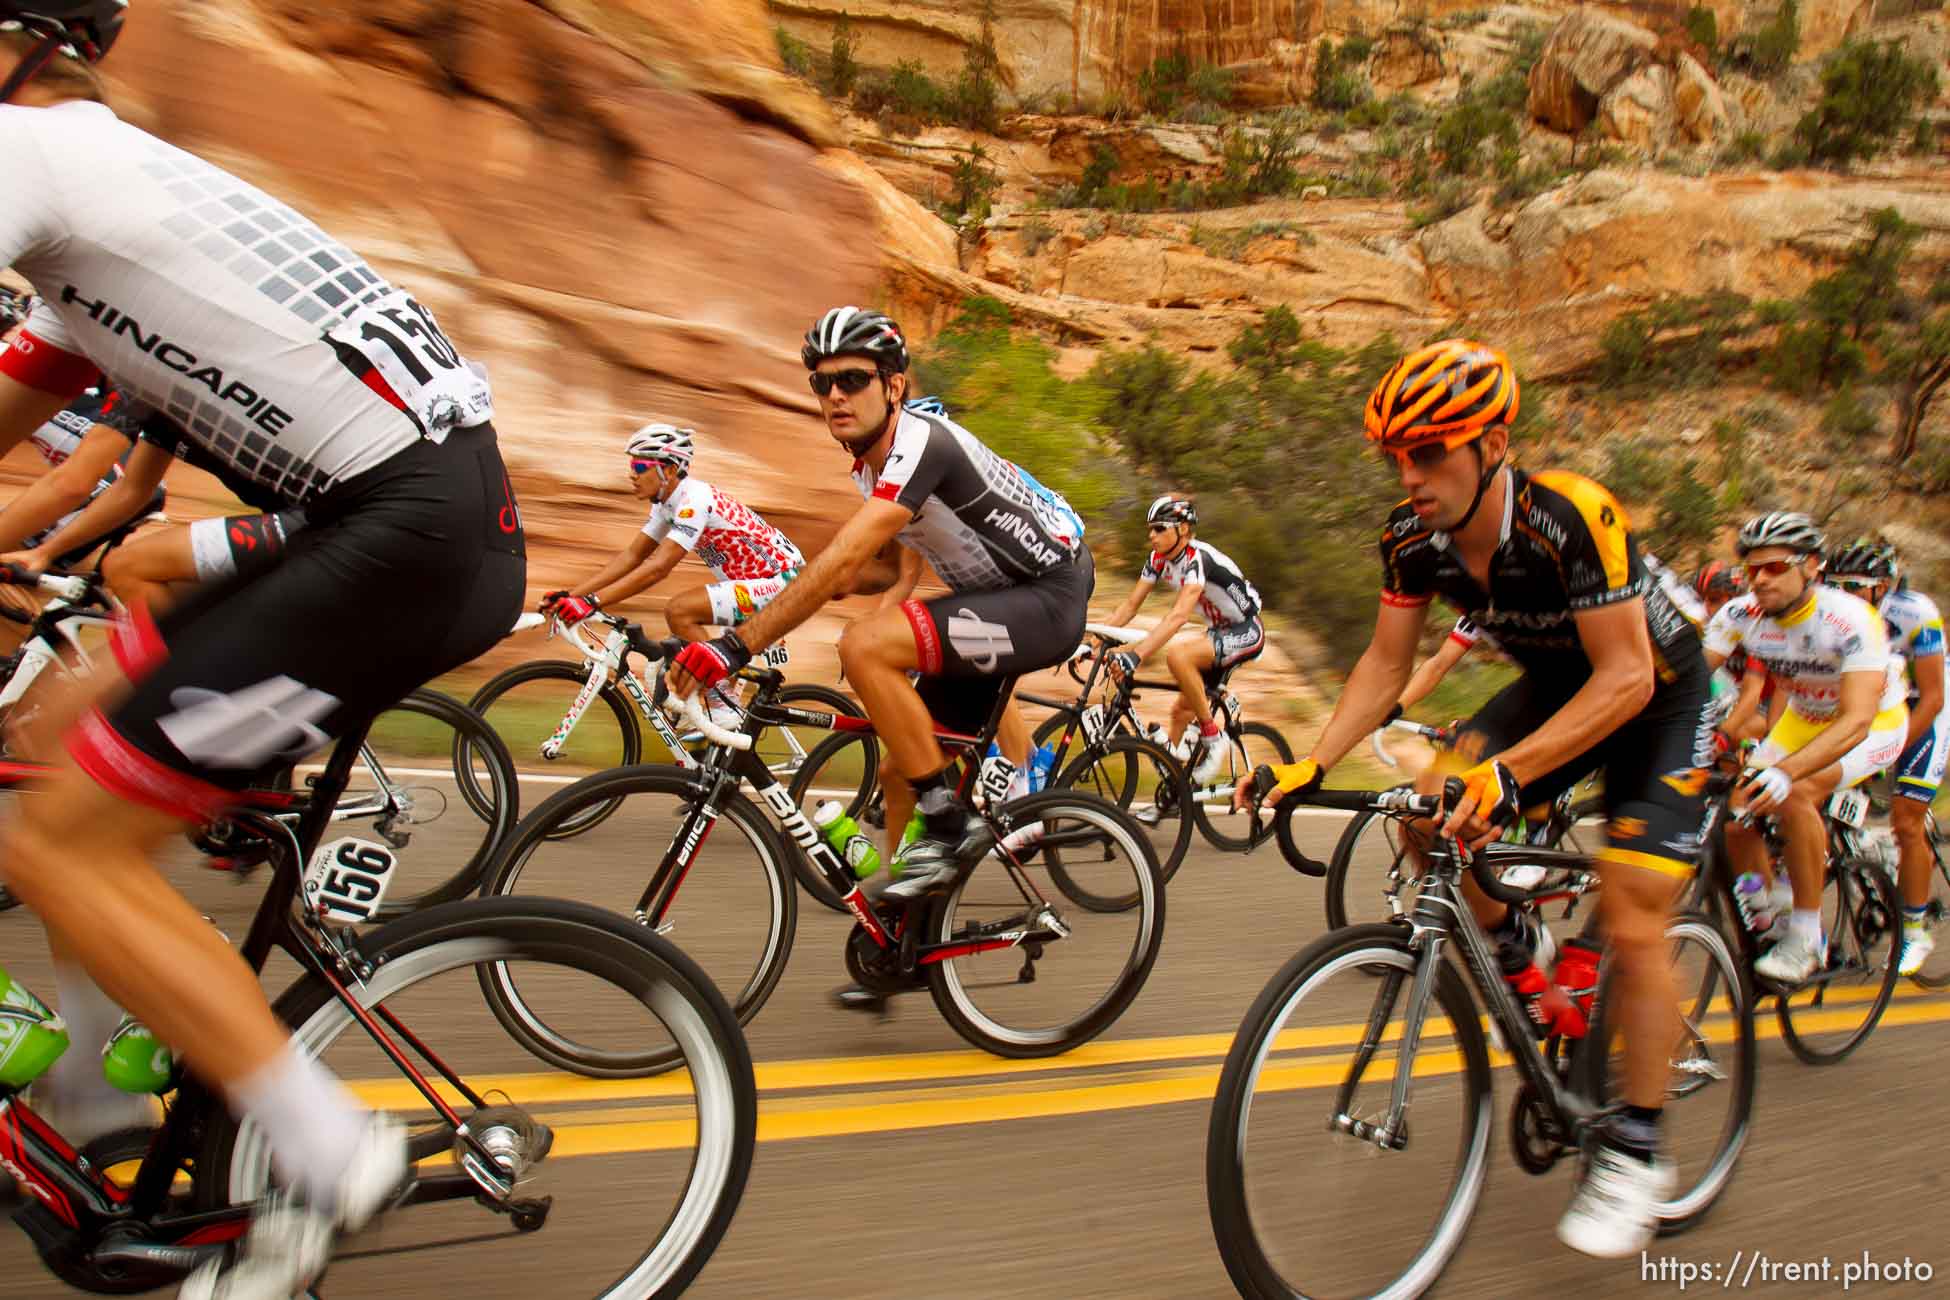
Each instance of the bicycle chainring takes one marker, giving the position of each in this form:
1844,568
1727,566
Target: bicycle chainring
876,968
1536,1152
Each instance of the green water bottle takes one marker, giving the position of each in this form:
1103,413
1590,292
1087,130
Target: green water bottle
31,1037
134,1060
847,839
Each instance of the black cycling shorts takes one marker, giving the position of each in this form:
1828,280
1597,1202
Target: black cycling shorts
1655,766
407,571
971,643
1235,644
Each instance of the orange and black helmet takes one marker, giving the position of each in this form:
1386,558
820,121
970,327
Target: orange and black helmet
1452,392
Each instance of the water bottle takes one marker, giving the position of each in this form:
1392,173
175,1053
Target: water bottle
134,1061
32,1038
1577,975
1543,1002
844,834
1156,733
1041,760
1756,909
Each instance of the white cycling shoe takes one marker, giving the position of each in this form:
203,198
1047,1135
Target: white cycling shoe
290,1243
1209,756
1615,1212
1791,961
1917,947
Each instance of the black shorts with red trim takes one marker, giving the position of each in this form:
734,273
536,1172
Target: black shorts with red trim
1654,766
970,642
407,571
1233,645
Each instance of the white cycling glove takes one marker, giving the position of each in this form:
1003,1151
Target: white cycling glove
1772,782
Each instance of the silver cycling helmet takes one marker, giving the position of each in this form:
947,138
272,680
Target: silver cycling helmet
1169,509
664,442
1789,528
856,332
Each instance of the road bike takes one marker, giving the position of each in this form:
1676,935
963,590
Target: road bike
1373,860
1372,1022
497,1154
1012,961
1091,753
1825,1018
547,708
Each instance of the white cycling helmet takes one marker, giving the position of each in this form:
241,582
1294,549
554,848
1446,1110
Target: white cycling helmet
663,442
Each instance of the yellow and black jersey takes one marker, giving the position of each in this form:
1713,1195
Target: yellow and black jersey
1565,546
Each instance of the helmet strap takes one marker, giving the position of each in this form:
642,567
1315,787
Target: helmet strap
30,65
1482,489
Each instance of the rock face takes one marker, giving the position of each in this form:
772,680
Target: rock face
1638,89
612,248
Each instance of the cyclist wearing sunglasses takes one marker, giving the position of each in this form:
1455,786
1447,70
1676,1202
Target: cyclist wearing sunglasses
749,558
1915,627
1209,582
1612,680
1838,717
1018,584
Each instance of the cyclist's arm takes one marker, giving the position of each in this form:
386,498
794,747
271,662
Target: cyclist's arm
1176,617
1619,646
1745,721
1929,697
64,488
1375,684
908,566
125,498
1432,671
1126,611
627,574
860,538
1853,718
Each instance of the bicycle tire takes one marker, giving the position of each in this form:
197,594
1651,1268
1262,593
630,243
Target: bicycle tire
1340,865
1688,1207
857,799
1939,902
1242,767
233,1165
1170,775
1848,876
613,787
630,750
951,994
1368,947
475,745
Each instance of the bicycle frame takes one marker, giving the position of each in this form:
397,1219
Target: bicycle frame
610,660
58,617
77,1207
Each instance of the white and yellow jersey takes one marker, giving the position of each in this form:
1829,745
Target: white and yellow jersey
1810,649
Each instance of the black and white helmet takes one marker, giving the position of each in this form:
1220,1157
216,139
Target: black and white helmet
88,27
1789,528
664,442
856,332
15,307
1169,509
1863,558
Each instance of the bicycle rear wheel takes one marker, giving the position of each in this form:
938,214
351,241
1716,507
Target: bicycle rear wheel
735,910
1709,1104
1369,872
1256,744
1935,973
1080,969
670,1169
1826,1019
1323,1040
1140,777
527,705
786,748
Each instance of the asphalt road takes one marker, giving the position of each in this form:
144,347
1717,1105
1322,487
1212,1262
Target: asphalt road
894,1161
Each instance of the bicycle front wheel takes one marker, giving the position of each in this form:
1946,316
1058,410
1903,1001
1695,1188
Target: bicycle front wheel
1935,973
1254,744
1826,1019
1141,777
531,704
1709,1102
1061,975
1289,1185
645,1193
1369,872
733,908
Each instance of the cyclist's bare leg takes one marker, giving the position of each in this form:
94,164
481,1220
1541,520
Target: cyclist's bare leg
1012,735
1747,852
1637,904
688,615
140,572
1805,835
1188,658
82,859
1906,818
897,803
877,652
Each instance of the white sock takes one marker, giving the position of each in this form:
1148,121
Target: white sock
1806,925
309,1119
91,1016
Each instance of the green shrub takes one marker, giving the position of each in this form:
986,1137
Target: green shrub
1676,341
842,67
1526,183
1847,420
1475,117
1452,195
1923,140
1870,93
1745,147
1340,74
1689,517
795,54
976,99
1703,29
1036,233
1769,51
975,184
1634,470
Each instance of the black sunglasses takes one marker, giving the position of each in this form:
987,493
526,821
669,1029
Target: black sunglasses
847,381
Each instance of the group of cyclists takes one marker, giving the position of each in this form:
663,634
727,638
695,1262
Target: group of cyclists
183,313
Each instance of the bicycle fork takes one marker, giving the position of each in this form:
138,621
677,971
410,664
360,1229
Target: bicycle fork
1392,1133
